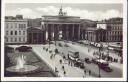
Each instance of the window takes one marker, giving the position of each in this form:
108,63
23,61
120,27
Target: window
6,32
23,32
24,25
11,25
6,39
19,32
15,25
113,28
23,39
11,39
11,33
15,39
19,25
15,32
20,39
7,25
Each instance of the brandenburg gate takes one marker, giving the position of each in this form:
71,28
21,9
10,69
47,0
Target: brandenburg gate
61,27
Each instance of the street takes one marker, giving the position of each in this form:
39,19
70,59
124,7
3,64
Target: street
83,52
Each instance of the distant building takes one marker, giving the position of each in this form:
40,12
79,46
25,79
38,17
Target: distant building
84,25
36,35
95,34
105,31
115,30
15,29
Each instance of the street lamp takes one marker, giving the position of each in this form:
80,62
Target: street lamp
108,54
100,48
56,38
49,42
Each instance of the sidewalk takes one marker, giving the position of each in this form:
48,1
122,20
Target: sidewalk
70,70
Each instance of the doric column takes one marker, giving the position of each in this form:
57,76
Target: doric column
38,38
32,38
52,31
49,32
72,31
78,31
67,32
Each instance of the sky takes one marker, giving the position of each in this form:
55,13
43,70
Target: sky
83,10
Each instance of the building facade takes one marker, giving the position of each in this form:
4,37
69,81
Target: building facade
15,29
115,30
95,35
85,26
36,35
110,30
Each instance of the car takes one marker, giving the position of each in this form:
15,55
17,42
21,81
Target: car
66,45
79,64
87,60
23,48
94,61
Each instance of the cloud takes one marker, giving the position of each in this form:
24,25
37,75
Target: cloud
96,15
53,10
48,10
26,12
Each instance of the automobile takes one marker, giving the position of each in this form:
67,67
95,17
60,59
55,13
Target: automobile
106,68
60,45
80,64
100,62
23,48
66,45
87,60
94,61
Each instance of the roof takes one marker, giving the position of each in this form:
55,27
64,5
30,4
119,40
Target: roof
111,21
60,16
62,19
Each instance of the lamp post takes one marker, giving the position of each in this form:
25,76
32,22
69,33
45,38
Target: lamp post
100,48
49,43
108,53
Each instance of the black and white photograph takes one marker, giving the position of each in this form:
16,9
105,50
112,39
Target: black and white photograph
63,40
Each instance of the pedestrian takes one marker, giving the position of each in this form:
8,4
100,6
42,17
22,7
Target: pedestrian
85,72
71,63
46,49
64,57
60,61
54,55
64,73
114,59
89,72
63,67
68,62
68,56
